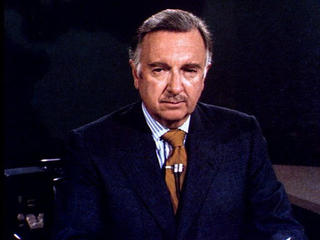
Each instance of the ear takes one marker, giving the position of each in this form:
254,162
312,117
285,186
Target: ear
134,72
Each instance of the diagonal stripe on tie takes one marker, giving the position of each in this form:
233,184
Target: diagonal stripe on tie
175,165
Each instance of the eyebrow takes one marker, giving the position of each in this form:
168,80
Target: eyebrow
192,65
159,64
164,65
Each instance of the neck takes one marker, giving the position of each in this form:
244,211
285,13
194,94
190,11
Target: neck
174,124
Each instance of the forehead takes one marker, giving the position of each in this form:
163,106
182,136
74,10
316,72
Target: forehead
166,44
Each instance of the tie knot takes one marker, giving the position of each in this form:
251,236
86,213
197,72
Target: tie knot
174,137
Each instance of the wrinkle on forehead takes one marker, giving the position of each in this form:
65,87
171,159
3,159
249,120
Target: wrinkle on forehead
185,47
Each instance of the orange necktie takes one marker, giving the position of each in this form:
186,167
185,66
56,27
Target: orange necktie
175,165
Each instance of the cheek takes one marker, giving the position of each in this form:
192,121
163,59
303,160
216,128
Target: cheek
158,85
194,88
152,88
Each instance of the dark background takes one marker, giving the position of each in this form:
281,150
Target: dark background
66,64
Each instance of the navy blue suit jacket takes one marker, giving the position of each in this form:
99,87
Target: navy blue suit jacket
115,188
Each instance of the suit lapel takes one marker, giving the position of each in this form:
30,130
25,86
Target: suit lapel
140,165
205,154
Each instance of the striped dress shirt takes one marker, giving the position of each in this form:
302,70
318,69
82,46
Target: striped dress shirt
162,147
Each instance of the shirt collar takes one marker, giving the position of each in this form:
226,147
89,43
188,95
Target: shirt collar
156,128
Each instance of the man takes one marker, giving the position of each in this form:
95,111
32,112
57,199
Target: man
169,167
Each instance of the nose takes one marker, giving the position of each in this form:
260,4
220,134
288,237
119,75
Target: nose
175,85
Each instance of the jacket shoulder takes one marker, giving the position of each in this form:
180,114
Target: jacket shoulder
224,114
121,118
216,119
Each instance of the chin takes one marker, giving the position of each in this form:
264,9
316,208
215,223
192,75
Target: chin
174,116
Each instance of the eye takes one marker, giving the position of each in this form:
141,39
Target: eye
157,70
190,70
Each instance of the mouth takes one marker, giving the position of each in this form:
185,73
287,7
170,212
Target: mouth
172,102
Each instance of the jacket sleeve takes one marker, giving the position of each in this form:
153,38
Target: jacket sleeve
269,208
78,212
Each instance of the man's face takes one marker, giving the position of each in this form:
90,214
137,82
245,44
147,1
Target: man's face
171,74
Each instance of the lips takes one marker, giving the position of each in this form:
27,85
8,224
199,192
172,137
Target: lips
172,102
173,105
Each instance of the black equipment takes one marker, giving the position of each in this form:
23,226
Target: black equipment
28,200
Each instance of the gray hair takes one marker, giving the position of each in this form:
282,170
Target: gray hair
173,20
